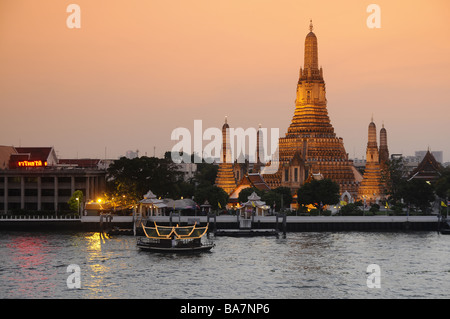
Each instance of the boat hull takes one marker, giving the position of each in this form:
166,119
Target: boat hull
152,248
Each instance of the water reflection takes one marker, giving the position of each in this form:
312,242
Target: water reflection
304,265
96,259
28,257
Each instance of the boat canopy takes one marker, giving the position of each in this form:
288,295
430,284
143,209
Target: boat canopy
177,232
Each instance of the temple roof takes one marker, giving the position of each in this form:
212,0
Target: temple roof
250,180
428,169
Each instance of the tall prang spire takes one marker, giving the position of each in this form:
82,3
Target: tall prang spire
370,188
311,115
384,151
311,54
225,175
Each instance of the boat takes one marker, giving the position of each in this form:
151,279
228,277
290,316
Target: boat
445,228
176,239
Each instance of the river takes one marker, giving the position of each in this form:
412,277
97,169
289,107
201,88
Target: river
302,265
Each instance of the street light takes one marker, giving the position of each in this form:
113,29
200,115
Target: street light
78,205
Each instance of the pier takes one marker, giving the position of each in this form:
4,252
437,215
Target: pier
221,222
320,223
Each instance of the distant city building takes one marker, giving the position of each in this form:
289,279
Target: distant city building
132,154
438,155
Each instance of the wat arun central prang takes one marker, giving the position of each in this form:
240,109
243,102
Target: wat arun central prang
311,147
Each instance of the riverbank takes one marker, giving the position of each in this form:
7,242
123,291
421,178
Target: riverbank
292,224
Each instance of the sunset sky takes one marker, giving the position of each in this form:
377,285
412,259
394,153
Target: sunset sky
138,69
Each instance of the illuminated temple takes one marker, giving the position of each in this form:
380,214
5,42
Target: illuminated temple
311,146
225,175
371,189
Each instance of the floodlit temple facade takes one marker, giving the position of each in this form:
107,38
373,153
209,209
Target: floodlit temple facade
371,189
225,175
311,146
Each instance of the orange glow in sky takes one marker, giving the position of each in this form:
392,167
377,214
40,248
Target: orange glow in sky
136,70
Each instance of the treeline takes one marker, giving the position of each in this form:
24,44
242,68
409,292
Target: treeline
129,179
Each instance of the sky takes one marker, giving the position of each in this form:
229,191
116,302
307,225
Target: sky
136,70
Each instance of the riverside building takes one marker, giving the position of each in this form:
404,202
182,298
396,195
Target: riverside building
34,179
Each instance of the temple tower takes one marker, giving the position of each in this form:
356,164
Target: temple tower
370,189
225,175
384,152
310,145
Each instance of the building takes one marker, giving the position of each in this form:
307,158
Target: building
311,145
5,154
384,151
429,169
253,180
131,154
438,155
371,189
34,180
225,175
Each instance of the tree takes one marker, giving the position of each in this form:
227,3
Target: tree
213,194
418,193
281,196
206,174
76,201
318,192
393,177
442,185
132,178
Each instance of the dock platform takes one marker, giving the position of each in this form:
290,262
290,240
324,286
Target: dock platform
246,232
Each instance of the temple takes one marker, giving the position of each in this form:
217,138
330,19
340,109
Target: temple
225,175
310,148
429,169
384,152
311,145
371,190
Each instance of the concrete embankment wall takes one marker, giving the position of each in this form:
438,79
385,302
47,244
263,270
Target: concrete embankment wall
315,223
293,223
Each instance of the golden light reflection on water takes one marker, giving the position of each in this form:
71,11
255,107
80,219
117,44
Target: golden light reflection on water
96,258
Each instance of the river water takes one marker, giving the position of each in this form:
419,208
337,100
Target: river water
302,265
